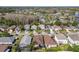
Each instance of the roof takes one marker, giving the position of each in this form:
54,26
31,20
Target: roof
48,40
43,33
26,40
6,40
41,26
33,27
38,39
3,47
27,27
60,36
74,37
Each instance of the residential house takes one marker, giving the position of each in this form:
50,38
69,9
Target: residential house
11,29
49,41
1,29
25,41
17,30
38,40
56,28
7,40
27,27
41,26
67,29
42,20
5,43
73,38
61,39
43,33
4,48
47,27
33,27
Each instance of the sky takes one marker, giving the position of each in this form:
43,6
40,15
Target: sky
39,2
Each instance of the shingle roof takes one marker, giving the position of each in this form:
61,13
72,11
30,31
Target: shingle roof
38,39
5,40
74,37
60,36
48,40
3,47
26,40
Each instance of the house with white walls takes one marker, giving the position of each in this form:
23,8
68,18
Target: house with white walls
73,38
61,39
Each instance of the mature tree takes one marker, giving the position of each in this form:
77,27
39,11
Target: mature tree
57,23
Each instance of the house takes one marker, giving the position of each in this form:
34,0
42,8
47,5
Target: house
11,29
7,40
52,27
56,28
27,27
17,30
25,41
33,27
47,27
67,29
4,47
43,33
74,28
70,28
61,39
41,26
73,38
42,20
49,41
38,40
1,29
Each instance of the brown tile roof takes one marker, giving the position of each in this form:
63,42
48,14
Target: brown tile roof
48,40
38,39
3,47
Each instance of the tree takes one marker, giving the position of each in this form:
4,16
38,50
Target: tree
58,23
75,23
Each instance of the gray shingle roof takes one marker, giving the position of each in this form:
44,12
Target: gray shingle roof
61,36
74,37
5,40
26,40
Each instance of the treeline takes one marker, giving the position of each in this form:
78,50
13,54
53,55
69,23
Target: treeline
6,10
10,22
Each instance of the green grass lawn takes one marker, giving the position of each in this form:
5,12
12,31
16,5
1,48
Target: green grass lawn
58,48
16,44
62,31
